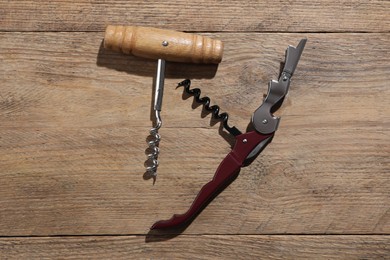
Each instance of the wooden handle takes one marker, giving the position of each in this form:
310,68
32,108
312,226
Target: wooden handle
156,43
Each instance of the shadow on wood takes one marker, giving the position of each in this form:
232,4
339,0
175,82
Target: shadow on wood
146,67
159,235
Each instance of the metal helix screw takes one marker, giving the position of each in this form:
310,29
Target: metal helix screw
155,150
214,110
152,161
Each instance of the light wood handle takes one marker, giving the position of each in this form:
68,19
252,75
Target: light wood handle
156,43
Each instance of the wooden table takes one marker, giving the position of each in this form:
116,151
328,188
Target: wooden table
74,118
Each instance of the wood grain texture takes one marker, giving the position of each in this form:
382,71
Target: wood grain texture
198,247
155,43
198,15
74,119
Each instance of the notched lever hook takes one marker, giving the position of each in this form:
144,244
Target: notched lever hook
262,119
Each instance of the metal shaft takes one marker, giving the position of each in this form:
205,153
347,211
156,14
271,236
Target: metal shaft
158,95
160,77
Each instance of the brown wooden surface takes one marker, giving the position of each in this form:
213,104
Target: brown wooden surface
189,247
74,118
198,15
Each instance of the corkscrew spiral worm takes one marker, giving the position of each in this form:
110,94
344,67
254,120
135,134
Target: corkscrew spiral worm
214,110
154,150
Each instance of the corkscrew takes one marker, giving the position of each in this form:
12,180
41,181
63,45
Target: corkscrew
153,144
163,45
247,145
214,110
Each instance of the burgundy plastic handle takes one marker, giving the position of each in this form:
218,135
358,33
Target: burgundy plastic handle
228,169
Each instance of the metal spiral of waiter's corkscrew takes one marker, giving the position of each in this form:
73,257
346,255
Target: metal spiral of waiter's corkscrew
214,110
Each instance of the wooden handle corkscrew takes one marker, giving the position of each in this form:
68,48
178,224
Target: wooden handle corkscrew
153,43
163,45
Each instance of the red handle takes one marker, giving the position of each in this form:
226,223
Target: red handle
229,168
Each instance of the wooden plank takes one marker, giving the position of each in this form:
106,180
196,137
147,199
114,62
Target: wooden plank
198,15
74,121
198,247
